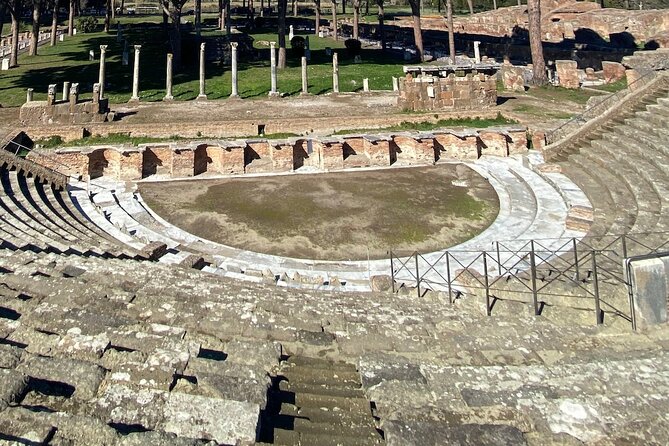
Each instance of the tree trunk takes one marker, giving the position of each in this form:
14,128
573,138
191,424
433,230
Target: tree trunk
70,19
37,8
282,5
175,36
601,3
356,18
536,49
54,23
14,55
317,3
221,16
228,17
198,17
2,18
367,7
343,6
470,5
417,32
334,20
113,9
382,31
108,15
451,32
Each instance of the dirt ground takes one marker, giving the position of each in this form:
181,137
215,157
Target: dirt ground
341,216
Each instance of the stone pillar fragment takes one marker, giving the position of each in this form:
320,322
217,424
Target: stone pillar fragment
29,95
335,73
272,59
101,77
96,93
202,94
74,96
365,85
396,84
51,94
305,80
168,80
66,90
235,91
477,52
135,75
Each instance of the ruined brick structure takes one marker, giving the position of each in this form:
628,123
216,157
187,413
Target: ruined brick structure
178,160
70,111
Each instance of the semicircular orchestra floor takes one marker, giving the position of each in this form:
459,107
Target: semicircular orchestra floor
334,216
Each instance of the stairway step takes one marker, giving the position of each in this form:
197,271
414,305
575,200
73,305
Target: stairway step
320,376
318,363
332,389
331,402
325,415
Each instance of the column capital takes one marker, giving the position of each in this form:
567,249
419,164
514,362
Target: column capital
170,56
137,47
103,48
272,45
202,46
234,45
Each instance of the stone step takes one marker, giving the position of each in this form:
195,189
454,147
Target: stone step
286,437
324,415
322,389
320,376
659,109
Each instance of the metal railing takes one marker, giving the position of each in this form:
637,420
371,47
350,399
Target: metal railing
541,272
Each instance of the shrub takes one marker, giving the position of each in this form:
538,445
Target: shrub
297,43
87,24
353,46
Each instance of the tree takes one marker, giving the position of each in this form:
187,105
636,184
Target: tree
356,18
381,16
37,10
13,9
282,6
70,18
470,5
317,4
451,32
2,16
108,14
536,49
54,23
173,9
334,20
417,31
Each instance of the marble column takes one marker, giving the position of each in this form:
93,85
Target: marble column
235,92
335,73
202,94
66,90
477,52
272,59
305,80
101,76
135,75
168,79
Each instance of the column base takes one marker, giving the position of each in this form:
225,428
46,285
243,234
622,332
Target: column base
305,93
168,98
133,100
201,97
274,94
234,96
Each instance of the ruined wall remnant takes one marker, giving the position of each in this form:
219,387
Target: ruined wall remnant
469,92
179,160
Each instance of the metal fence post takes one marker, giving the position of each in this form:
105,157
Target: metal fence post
448,278
598,310
578,275
487,289
499,263
533,269
417,276
392,271
624,240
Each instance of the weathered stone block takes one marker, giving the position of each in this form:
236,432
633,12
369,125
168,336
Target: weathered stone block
493,143
567,72
613,71
650,279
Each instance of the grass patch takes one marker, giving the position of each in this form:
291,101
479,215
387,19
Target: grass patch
534,110
613,87
560,94
112,138
442,123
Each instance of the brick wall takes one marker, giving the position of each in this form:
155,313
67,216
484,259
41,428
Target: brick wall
185,160
469,92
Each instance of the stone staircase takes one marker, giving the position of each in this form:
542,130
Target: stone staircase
320,402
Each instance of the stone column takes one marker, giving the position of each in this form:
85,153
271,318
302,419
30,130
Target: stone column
477,52
396,84
272,60
305,80
365,85
135,75
202,94
235,92
74,96
51,94
335,73
29,95
101,77
66,90
168,81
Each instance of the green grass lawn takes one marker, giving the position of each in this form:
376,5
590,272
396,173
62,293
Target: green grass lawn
68,61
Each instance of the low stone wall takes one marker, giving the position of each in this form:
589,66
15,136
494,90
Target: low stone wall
469,92
40,112
178,160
